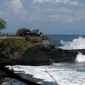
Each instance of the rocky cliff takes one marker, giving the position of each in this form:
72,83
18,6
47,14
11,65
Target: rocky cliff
41,53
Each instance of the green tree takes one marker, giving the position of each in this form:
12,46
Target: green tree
3,24
22,32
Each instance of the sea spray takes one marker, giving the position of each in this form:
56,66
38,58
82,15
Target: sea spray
80,58
77,43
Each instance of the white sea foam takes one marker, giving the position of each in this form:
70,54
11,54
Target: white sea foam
77,43
80,58
61,74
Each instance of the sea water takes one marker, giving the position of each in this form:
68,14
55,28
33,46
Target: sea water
62,73
58,73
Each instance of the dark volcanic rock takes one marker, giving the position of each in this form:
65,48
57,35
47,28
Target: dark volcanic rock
42,55
36,57
60,55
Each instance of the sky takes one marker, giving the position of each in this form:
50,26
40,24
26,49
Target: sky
49,16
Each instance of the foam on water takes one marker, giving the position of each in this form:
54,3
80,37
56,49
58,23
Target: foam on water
63,75
77,43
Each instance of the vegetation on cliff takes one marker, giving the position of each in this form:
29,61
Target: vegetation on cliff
45,38
8,44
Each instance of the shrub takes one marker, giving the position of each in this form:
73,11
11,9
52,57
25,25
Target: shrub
22,32
45,37
11,43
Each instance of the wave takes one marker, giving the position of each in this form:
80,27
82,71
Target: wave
80,58
63,75
77,43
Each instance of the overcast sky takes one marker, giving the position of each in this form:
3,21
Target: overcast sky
50,16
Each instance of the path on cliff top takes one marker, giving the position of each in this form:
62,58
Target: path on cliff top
3,37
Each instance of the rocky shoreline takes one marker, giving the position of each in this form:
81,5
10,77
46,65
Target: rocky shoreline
42,55
39,54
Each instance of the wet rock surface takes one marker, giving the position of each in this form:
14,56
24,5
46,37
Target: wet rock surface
29,77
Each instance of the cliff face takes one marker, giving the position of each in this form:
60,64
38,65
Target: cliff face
34,56
41,55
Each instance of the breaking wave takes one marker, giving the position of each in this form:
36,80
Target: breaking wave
63,74
77,43
80,58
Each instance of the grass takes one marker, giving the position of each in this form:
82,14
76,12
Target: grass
7,44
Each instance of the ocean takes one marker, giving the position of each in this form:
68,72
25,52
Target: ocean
57,73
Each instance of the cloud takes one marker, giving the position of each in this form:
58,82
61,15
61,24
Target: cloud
26,11
15,9
65,2
44,14
54,13
16,4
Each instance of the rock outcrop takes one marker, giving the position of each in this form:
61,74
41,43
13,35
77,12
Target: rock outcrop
42,55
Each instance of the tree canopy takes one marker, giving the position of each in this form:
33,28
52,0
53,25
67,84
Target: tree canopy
22,31
3,24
